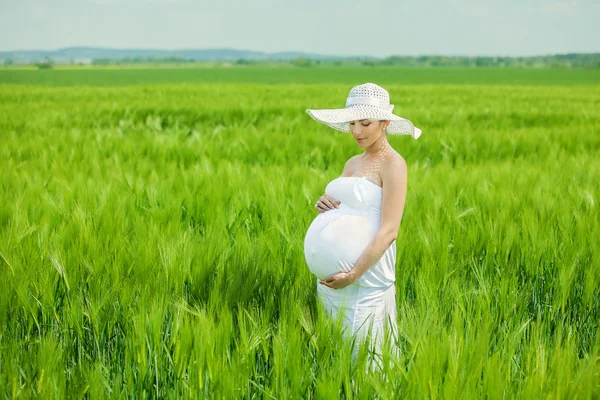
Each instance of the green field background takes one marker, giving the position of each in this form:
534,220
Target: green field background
152,226
144,75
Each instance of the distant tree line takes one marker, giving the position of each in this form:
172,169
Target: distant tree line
553,61
142,60
573,60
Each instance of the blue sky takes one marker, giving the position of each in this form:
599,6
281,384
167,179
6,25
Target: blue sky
349,27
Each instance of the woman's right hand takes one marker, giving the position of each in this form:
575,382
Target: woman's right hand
326,203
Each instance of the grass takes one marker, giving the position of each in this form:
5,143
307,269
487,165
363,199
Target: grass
140,75
151,242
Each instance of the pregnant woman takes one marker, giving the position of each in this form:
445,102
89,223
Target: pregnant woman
351,245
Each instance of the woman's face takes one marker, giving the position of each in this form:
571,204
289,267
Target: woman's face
367,131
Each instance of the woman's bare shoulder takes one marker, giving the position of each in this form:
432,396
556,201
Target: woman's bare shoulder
350,164
394,163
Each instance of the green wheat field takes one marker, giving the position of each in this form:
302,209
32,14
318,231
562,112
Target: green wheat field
152,225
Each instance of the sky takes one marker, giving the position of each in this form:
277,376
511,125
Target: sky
377,28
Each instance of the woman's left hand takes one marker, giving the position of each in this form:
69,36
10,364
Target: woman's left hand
339,280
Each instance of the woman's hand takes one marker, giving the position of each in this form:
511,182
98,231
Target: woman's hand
326,203
339,280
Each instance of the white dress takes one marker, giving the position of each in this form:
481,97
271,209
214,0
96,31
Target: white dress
334,242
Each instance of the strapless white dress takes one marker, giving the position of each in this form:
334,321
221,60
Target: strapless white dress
334,242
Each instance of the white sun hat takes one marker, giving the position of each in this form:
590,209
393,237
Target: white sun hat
366,101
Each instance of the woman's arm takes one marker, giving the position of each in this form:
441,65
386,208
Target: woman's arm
394,176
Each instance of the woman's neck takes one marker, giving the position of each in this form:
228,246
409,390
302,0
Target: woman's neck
378,147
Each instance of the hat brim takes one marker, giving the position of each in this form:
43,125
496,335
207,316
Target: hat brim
340,118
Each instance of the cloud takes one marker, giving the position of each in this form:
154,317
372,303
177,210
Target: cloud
567,8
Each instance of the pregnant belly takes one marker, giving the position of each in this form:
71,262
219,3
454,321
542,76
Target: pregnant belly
336,239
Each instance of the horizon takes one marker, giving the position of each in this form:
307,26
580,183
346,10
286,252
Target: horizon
289,51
